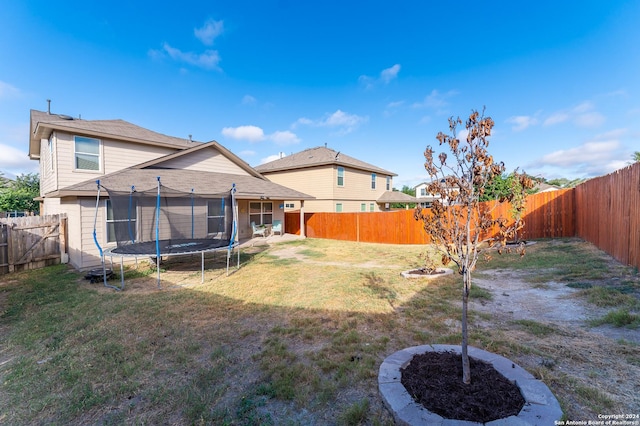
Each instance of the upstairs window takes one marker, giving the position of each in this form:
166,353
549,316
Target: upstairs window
50,146
87,153
388,183
340,176
373,181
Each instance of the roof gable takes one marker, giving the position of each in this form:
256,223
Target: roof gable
316,157
42,124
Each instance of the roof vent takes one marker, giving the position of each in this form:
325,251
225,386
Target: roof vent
64,117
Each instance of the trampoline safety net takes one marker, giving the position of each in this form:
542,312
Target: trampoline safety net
186,222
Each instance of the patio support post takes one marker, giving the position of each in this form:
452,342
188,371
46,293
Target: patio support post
302,227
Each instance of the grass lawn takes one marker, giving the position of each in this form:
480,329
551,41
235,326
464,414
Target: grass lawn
295,336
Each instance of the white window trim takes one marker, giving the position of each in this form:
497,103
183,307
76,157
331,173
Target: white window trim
374,177
100,156
262,212
338,176
107,221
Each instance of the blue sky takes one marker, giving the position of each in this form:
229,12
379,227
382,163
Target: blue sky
375,80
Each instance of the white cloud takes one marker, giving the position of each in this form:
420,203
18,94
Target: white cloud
270,158
284,138
587,152
8,91
209,31
248,133
248,100
583,107
436,100
589,119
395,104
386,76
208,59
15,161
556,118
344,121
521,122
255,134
389,74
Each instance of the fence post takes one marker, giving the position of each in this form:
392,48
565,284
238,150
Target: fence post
64,256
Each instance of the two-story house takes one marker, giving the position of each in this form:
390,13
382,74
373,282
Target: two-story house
74,153
338,182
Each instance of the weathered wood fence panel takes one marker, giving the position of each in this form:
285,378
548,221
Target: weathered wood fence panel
608,213
32,242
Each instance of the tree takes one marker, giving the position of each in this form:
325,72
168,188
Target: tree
459,224
19,195
566,183
636,157
406,190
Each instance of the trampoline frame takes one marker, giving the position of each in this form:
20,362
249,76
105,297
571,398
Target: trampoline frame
158,254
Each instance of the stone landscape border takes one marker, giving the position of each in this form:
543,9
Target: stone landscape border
541,407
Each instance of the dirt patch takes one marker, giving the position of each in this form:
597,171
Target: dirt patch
550,302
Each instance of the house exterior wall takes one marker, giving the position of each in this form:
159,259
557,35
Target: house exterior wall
205,160
114,156
322,183
244,222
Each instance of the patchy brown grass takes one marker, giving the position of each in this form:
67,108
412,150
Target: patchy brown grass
295,336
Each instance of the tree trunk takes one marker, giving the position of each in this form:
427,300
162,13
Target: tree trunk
466,368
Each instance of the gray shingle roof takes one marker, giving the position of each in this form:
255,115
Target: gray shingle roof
319,156
43,123
247,187
396,197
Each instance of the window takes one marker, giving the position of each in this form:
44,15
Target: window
50,146
373,181
363,207
215,216
371,207
125,226
87,153
423,192
338,207
340,176
261,213
388,183
290,206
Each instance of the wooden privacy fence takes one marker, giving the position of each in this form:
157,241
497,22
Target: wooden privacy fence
608,213
32,242
604,211
549,214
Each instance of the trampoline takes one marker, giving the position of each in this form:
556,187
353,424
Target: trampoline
161,222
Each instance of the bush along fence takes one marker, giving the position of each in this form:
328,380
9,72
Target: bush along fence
32,242
604,211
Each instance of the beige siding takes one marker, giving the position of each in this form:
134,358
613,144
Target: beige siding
244,223
322,183
114,156
205,160
318,181
47,166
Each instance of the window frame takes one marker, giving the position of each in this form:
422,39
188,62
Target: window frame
388,183
339,208
373,181
340,176
211,216
262,214
76,152
371,207
107,206
363,207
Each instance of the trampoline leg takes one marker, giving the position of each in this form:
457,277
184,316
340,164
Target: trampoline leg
122,272
202,281
158,269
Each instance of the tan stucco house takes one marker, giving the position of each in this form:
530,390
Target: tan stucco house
74,153
338,182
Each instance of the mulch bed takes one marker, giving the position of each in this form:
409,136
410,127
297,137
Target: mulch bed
434,379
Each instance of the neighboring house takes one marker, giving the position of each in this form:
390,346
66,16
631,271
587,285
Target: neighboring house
338,182
425,198
74,153
544,187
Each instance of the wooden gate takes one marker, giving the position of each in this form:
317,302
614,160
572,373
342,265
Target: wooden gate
32,242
